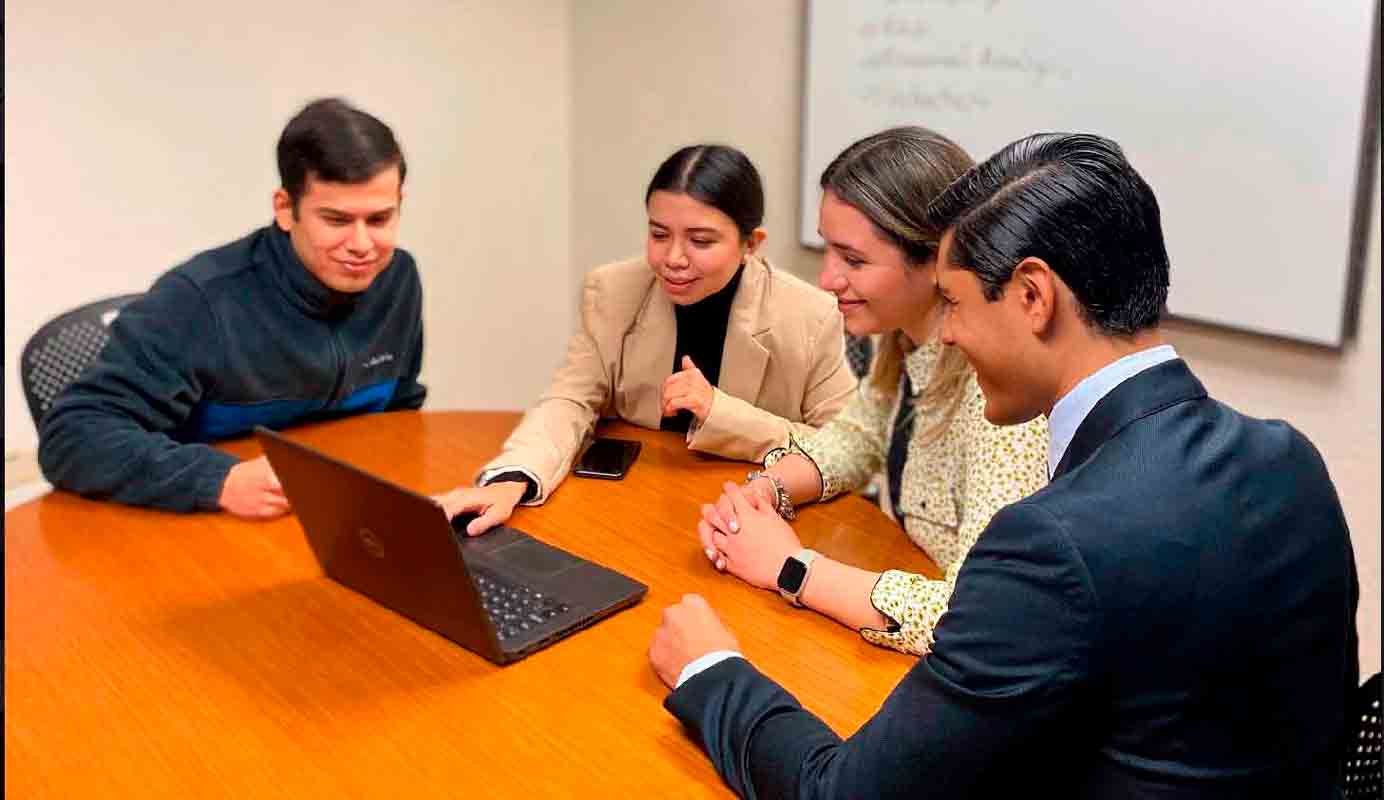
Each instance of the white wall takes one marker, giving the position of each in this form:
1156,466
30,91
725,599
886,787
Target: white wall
651,76
140,134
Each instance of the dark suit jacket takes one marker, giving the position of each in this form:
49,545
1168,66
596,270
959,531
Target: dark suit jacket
1173,616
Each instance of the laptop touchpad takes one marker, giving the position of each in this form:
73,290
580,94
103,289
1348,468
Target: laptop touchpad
534,558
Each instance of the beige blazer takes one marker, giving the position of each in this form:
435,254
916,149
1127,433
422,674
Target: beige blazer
783,370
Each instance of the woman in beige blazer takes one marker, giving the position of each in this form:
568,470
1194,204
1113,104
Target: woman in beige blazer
699,335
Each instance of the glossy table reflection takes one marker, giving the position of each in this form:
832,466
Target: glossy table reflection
161,655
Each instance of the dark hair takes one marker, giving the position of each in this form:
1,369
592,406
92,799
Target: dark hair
891,177
719,176
1074,201
334,141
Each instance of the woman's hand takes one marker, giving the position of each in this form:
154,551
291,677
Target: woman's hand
494,503
721,516
688,390
755,551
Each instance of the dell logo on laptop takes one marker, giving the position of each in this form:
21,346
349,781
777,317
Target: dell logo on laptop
372,543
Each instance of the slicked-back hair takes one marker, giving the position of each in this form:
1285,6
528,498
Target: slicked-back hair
333,141
716,175
1074,201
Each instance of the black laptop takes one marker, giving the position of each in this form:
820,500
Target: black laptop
501,595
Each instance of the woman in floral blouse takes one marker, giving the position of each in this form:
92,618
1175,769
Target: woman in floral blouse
918,418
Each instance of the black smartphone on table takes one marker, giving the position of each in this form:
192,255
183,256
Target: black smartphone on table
607,458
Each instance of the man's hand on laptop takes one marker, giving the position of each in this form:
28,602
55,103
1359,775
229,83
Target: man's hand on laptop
252,491
494,503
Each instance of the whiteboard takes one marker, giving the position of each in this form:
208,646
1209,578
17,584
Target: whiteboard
1245,116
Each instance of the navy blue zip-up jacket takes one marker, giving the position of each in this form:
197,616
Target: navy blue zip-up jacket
239,336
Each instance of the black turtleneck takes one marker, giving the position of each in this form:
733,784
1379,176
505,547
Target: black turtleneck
702,335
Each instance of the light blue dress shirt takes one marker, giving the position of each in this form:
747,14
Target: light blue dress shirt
705,662
1070,411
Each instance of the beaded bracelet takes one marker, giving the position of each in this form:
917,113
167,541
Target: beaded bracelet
784,505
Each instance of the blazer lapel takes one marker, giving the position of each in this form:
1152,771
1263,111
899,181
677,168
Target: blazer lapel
1149,392
648,350
744,358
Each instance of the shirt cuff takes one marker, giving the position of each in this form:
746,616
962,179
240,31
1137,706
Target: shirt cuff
515,476
493,475
706,662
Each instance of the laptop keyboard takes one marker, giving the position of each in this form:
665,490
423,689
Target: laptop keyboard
514,609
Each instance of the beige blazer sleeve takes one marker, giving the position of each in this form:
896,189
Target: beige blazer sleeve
741,430
550,434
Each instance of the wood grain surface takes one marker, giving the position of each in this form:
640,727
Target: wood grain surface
150,654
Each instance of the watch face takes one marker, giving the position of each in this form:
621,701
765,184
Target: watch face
791,577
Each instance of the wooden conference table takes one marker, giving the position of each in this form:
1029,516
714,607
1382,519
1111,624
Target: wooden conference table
160,655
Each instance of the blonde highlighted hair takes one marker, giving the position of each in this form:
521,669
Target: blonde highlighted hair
891,177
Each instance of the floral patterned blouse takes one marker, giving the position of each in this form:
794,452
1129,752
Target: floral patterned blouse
951,487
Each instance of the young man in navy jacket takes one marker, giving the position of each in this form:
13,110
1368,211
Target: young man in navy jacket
1173,616
316,315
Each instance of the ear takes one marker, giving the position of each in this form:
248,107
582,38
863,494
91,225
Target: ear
1034,287
755,239
283,210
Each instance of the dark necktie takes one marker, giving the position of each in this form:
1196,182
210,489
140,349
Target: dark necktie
859,351
900,433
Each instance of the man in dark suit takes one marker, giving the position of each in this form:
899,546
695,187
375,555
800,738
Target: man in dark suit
1173,616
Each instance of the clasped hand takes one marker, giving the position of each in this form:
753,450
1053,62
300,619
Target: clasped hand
743,534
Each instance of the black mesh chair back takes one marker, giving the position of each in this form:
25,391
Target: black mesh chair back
1364,776
859,351
62,348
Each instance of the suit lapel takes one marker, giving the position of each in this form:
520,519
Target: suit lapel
744,358
647,357
1148,392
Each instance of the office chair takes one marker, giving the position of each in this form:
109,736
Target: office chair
55,355
1363,774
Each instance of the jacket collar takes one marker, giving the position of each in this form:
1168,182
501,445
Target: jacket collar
745,358
1148,392
299,286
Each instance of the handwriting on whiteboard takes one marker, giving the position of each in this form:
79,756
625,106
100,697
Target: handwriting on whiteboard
941,55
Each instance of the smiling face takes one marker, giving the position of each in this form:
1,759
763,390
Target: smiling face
344,233
693,248
877,289
994,336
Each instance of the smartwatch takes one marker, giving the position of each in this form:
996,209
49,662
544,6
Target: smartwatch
793,577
